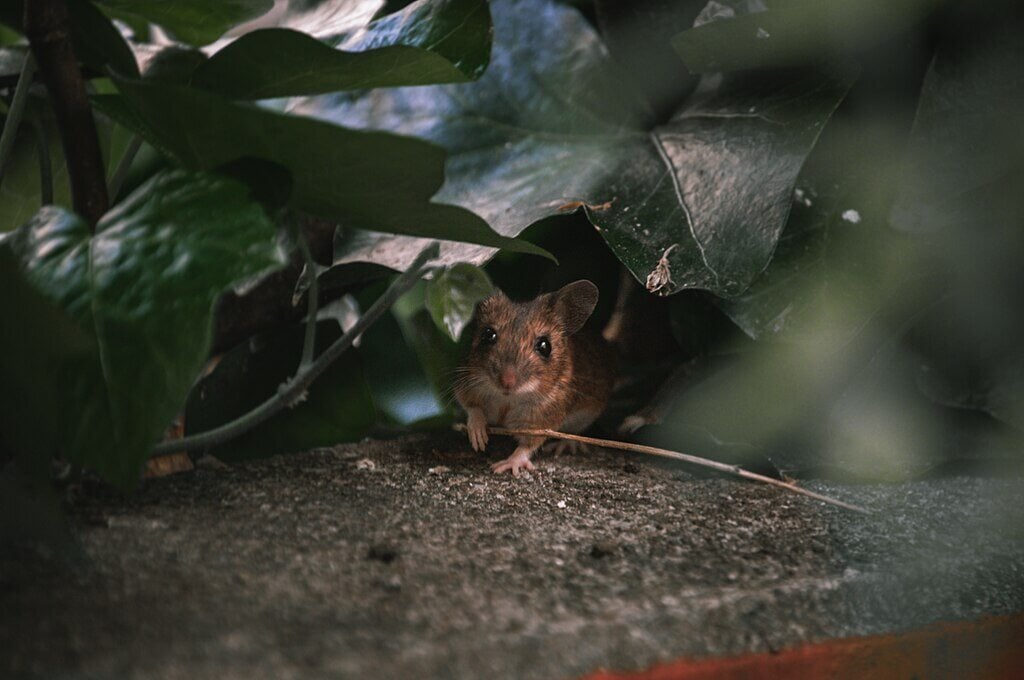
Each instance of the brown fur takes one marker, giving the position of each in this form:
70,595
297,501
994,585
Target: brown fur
569,389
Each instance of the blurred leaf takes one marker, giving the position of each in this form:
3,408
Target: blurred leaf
198,22
37,339
968,134
793,32
144,286
960,195
451,297
337,408
431,41
363,179
98,44
551,128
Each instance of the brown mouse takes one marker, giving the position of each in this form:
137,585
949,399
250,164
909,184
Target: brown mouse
531,365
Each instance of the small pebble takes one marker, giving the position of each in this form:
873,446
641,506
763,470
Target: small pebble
383,552
365,464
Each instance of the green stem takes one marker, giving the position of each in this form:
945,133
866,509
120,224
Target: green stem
309,344
291,390
16,111
123,166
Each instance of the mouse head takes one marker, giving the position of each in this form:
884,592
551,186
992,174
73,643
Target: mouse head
522,347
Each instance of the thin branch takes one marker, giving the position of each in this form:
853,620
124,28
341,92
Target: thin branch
48,28
291,391
123,166
17,110
675,455
309,343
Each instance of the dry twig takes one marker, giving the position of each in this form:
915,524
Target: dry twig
675,455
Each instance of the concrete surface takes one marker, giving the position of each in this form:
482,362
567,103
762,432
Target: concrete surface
409,559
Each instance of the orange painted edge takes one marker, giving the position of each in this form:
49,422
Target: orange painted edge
992,647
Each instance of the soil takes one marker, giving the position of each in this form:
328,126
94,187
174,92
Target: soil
407,558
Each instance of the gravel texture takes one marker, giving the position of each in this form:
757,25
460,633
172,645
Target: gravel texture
407,558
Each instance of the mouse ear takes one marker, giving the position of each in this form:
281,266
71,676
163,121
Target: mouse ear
575,303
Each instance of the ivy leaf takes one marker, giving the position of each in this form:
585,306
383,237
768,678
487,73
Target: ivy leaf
430,41
452,295
551,128
198,22
143,289
834,267
366,180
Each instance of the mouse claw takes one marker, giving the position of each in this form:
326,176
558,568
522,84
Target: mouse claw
476,428
515,463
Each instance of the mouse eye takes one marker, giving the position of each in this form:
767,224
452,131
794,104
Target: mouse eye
543,346
489,336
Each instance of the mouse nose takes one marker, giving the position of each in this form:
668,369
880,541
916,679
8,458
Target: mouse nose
508,377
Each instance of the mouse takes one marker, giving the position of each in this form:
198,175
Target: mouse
534,365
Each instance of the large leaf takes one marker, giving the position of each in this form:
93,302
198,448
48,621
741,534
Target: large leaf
194,21
430,41
363,179
36,339
143,288
793,32
550,127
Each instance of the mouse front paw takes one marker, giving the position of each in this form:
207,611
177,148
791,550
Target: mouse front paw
517,462
476,428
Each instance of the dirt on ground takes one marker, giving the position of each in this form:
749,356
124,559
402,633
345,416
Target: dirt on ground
408,558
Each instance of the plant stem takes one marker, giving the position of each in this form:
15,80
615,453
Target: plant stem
291,390
48,28
309,343
123,166
45,169
675,455
17,110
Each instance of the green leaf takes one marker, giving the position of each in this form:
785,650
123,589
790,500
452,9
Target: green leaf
98,44
451,297
37,338
198,22
337,408
365,180
431,41
550,128
794,32
143,287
